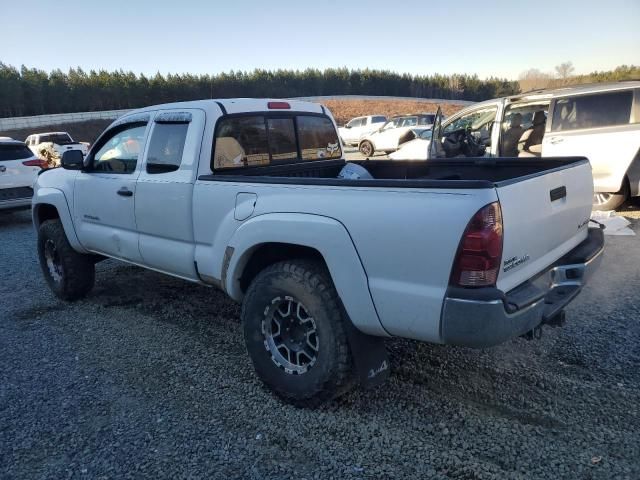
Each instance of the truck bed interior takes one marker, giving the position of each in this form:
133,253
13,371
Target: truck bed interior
445,173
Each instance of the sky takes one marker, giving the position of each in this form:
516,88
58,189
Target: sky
418,37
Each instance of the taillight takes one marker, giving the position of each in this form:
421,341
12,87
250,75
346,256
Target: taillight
37,162
478,259
279,105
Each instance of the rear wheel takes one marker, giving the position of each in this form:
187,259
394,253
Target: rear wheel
69,274
295,334
610,201
366,148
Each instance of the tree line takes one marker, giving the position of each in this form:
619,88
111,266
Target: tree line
534,78
31,91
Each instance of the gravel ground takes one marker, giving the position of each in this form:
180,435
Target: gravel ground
148,377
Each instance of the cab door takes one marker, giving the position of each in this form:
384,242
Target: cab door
597,126
164,192
104,192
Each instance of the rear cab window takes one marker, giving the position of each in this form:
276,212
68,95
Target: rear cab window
254,140
599,110
57,138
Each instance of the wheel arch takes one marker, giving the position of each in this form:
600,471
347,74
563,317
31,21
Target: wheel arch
51,204
270,238
367,139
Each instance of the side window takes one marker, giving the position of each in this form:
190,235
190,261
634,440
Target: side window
523,128
166,147
241,141
318,138
592,111
378,119
119,153
282,139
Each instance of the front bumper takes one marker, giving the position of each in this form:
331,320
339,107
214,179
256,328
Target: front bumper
486,317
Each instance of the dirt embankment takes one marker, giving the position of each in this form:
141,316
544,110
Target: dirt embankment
345,110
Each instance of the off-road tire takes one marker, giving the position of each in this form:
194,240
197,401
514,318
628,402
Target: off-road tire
76,275
308,283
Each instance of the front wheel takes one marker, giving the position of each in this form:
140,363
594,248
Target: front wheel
366,148
69,274
295,334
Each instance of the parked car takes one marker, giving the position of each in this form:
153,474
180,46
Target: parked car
358,127
19,168
598,121
251,196
60,141
394,133
416,149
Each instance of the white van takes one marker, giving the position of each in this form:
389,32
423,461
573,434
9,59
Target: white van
597,121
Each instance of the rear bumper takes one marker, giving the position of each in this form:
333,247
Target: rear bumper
19,197
486,317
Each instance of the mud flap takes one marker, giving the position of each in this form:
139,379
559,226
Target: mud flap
369,357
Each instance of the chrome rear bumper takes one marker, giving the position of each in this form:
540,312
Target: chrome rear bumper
487,317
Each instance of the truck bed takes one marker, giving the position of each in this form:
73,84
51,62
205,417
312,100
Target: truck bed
446,173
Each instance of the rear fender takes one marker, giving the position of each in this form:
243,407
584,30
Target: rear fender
324,234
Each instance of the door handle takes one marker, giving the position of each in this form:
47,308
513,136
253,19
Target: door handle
555,140
558,193
3,168
125,192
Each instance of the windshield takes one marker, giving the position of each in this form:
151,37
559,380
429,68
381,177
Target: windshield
57,138
426,119
473,121
390,124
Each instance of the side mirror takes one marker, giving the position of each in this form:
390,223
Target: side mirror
72,160
347,126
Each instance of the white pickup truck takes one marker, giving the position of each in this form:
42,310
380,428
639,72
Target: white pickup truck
59,141
253,197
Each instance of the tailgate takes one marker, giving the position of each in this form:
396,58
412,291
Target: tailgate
544,216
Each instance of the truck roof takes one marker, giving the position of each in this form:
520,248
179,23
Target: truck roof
236,105
50,133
